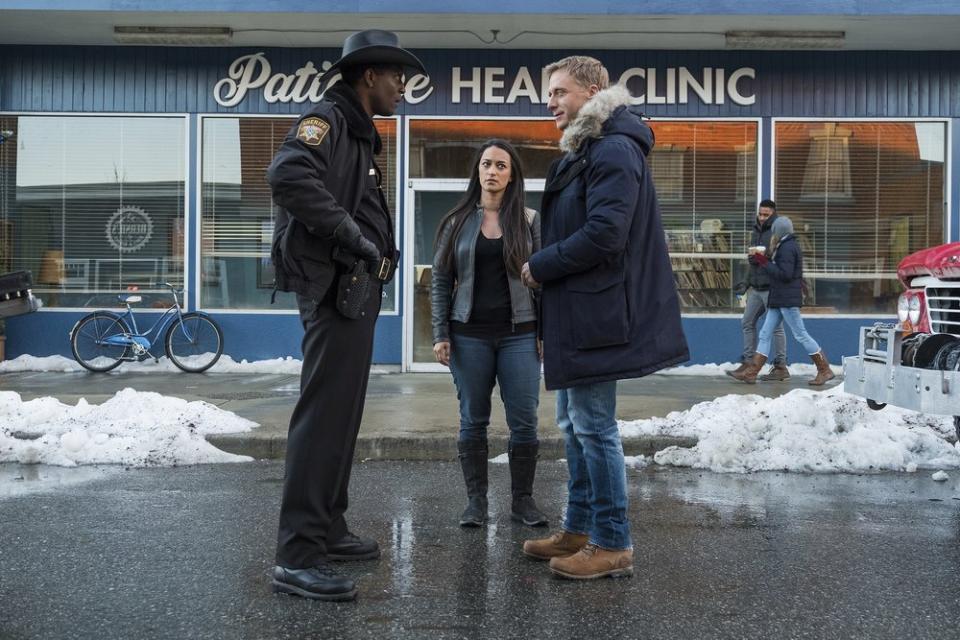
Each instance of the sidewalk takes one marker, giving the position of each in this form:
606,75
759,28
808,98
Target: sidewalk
411,416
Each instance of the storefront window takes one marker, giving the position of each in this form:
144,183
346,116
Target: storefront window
93,205
705,174
445,148
862,195
237,214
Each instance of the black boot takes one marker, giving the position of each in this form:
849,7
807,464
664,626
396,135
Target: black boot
523,468
473,461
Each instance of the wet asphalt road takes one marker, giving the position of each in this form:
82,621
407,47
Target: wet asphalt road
186,552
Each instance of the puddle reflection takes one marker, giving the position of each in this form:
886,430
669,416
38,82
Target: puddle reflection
22,479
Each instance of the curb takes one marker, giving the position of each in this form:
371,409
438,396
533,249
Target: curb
431,447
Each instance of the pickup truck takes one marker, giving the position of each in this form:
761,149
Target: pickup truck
915,362
16,297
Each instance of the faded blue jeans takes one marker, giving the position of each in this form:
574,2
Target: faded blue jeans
752,312
513,363
597,501
791,316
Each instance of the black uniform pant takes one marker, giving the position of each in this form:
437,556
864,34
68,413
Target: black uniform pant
323,429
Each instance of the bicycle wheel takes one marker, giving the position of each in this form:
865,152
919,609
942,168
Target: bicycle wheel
194,342
88,341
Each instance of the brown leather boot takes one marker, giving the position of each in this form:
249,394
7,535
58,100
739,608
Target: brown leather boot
778,373
824,372
558,545
733,372
592,562
749,375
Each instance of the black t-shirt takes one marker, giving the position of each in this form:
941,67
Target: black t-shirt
492,312
491,291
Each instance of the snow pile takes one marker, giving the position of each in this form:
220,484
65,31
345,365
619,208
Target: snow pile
636,462
797,369
133,428
806,431
226,364
36,363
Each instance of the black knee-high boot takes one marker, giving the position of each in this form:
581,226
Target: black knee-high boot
473,462
523,469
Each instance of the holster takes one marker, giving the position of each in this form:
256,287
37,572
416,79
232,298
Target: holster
353,288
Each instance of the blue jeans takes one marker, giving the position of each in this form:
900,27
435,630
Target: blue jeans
597,504
791,316
512,361
755,308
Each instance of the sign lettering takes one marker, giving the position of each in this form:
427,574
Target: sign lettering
489,85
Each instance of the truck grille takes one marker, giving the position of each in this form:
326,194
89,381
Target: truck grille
943,305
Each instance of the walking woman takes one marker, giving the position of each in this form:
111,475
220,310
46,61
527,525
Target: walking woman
785,267
485,324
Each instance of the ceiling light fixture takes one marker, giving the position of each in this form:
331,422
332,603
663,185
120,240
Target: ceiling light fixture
785,39
173,35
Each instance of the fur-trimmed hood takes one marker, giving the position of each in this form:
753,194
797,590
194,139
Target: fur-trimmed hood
606,113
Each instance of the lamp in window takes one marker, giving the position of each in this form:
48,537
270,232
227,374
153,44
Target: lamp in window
51,267
827,172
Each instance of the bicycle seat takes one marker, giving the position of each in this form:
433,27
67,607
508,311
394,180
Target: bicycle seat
130,299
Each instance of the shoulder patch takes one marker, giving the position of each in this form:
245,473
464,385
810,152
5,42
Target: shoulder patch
312,131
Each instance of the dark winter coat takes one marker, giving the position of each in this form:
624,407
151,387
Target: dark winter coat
757,278
609,304
316,183
786,274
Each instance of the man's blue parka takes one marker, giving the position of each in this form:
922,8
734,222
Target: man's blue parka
610,306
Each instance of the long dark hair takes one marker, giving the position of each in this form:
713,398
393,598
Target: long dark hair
513,216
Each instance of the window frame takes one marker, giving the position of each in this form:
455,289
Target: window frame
947,172
185,301
760,158
439,184
398,119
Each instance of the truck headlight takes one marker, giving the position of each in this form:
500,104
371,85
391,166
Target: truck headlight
913,312
903,307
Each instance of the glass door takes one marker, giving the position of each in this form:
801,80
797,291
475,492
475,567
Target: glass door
428,201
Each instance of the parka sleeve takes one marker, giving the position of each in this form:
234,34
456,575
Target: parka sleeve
785,267
613,185
298,171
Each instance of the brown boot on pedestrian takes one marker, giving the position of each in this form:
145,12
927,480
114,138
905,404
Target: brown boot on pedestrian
733,372
779,373
749,375
592,562
558,545
824,372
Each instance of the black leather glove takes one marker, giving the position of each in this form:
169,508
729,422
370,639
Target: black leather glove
349,237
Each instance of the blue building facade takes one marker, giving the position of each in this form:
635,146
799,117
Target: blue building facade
128,166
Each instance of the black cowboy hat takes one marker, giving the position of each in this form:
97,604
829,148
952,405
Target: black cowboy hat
374,47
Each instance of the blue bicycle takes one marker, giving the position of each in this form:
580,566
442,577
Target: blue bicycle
103,339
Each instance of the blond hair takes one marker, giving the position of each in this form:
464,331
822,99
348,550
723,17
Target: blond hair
583,69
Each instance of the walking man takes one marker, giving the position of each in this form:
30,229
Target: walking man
758,291
610,306
333,224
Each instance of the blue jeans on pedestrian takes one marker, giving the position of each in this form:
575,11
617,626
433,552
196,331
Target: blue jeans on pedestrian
756,306
791,316
597,502
512,362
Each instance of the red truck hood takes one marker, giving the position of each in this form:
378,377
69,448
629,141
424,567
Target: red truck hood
941,262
